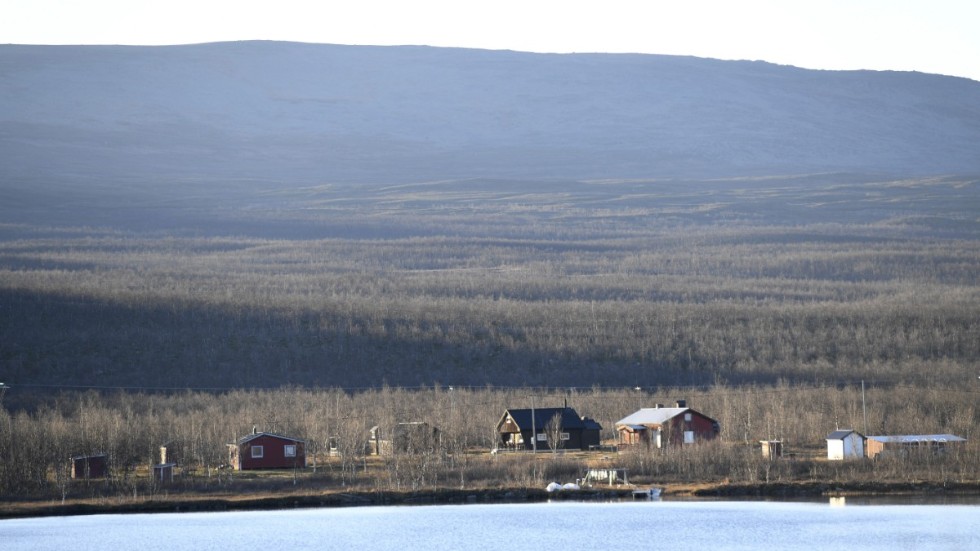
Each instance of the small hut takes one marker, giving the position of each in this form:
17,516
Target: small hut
164,471
89,466
845,444
772,449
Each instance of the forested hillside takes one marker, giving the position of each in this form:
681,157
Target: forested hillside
509,283
263,214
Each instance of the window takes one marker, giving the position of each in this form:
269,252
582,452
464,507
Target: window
289,450
687,416
565,436
258,452
689,437
542,437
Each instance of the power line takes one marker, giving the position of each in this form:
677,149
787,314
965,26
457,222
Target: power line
713,390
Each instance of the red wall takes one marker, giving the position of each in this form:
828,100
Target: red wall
702,426
273,453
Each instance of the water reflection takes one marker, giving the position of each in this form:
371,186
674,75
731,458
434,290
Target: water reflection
721,524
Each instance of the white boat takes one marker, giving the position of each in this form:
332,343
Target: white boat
646,493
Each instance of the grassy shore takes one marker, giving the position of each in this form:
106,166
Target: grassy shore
183,503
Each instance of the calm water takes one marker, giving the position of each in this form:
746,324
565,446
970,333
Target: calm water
692,525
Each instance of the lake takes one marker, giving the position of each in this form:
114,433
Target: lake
562,524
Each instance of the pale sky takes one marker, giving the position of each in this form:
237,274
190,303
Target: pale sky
932,36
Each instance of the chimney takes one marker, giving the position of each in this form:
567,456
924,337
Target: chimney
659,406
682,403
255,430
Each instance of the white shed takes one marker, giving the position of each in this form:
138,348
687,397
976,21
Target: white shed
845,444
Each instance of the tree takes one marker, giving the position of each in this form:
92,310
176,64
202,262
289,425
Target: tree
555,432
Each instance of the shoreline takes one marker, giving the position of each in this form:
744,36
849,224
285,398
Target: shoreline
448,496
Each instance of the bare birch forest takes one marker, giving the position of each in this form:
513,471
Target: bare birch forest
135,318
473,283
196,426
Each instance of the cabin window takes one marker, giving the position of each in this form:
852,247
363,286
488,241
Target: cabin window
687,416
542,437
689,437
258,452
289,450
565,436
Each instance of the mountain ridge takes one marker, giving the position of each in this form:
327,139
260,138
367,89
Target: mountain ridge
302,113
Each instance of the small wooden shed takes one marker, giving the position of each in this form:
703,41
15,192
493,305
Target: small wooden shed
845,444
772,449
163,471
89,466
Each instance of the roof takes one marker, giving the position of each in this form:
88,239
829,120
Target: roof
88,456
250,437
651,416
842,434
591,423
633,427
542,416
912,438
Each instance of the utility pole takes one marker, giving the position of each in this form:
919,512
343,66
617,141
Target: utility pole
534,429
864,407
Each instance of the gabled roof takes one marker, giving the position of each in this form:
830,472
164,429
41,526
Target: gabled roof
913,438
250,437
542,416
655,416
842,434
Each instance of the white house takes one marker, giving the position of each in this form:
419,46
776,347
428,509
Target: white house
845,444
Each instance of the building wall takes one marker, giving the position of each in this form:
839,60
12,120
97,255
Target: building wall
689,427
273,454
848,447
835,449
699,429
94,466
577,440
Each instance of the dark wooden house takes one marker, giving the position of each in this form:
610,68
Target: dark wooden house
264,450
574,432
662,426
89,466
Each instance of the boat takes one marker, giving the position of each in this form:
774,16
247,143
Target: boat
646,493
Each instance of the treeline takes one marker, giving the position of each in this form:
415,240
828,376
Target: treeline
197,426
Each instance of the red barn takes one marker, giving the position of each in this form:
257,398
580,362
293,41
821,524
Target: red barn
264,450
663,427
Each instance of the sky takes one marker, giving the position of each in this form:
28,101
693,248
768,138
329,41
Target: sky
932,36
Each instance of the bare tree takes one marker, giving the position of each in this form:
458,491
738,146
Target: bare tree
556,433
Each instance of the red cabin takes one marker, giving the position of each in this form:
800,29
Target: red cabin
662,427
264,450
